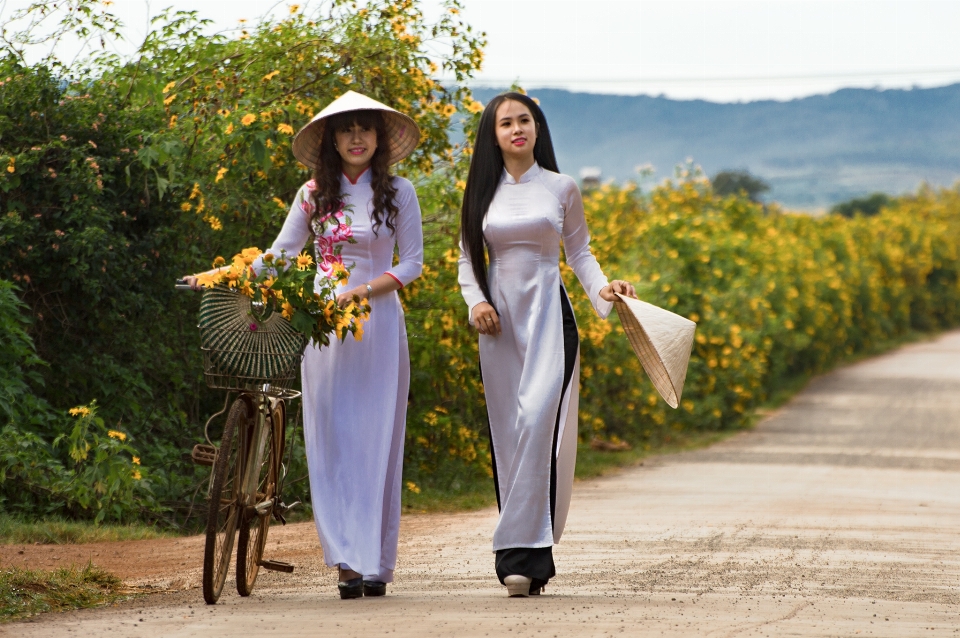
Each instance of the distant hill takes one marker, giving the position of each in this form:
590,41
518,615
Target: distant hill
814,151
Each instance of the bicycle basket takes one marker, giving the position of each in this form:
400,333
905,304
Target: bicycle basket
245,345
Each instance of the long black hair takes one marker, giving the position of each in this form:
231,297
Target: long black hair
486,168
327,197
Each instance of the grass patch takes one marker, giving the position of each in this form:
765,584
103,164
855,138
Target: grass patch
15,531
25,592
473,496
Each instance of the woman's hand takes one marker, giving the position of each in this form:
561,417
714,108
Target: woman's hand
345,298
485,319
623,287
191,280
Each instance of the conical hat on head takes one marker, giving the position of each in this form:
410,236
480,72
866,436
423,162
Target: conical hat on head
403,134
662,341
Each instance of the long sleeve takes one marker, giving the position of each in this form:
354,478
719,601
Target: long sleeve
409,235
295,232
469,287
576,247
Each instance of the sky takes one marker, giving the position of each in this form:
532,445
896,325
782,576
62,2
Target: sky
718,50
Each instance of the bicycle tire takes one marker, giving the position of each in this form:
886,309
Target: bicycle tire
223,510
253,528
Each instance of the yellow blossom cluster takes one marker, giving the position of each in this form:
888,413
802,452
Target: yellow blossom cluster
775,295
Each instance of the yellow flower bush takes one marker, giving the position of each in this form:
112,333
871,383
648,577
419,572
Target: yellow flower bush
775,295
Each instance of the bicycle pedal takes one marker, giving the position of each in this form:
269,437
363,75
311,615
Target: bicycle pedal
277,566
203,454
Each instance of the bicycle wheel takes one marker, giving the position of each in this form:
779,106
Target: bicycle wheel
223,511
254,526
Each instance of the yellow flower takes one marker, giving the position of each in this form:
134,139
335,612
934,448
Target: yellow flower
449,109
304,261
247,289
223,112
229,128
12,166
120,436
170,99
136,475
136,460
288,310
279,202
80,411
294,8
220,173
248,255
209,280
270,76
358,332
473,106
186,207
169,87
248,119
413,487
214,222
285,129
461,185
219,261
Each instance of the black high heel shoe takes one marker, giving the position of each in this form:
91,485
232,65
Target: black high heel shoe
352,588
374,588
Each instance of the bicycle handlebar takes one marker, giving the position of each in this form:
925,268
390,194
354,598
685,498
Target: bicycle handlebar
182,284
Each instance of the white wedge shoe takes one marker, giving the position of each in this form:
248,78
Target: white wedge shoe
517,586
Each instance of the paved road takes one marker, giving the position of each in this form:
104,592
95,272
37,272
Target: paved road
839,515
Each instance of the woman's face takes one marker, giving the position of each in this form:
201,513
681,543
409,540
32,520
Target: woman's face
356,146
516,130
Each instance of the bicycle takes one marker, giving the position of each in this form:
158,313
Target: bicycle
255,353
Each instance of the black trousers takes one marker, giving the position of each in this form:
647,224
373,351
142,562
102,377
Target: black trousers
537,562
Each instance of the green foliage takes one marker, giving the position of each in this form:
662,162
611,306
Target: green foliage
58,531
25,592
118,176
739,182
867,206
776,296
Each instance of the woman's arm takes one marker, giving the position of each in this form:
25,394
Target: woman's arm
409,238
292,238
576,247
295,231
480,313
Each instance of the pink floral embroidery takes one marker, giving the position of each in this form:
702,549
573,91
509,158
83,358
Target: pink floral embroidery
325,243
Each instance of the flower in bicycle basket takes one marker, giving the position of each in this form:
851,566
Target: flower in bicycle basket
288,310
219,261
253,327
304,261
247,255
268,258
209,279
246,289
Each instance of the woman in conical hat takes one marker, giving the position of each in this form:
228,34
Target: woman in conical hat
519,208
355,392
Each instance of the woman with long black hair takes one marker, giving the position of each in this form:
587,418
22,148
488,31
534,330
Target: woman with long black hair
518,208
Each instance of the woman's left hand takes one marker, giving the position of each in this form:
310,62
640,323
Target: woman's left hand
346,297
617,286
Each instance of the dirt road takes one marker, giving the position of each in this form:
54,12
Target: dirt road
839,515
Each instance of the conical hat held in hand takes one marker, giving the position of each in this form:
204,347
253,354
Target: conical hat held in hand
662,340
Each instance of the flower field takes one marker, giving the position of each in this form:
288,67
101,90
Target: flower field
775,295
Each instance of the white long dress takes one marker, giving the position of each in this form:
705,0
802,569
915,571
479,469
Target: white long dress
523,368
355,393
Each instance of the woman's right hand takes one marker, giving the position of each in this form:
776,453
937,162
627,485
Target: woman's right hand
191,280
485,319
